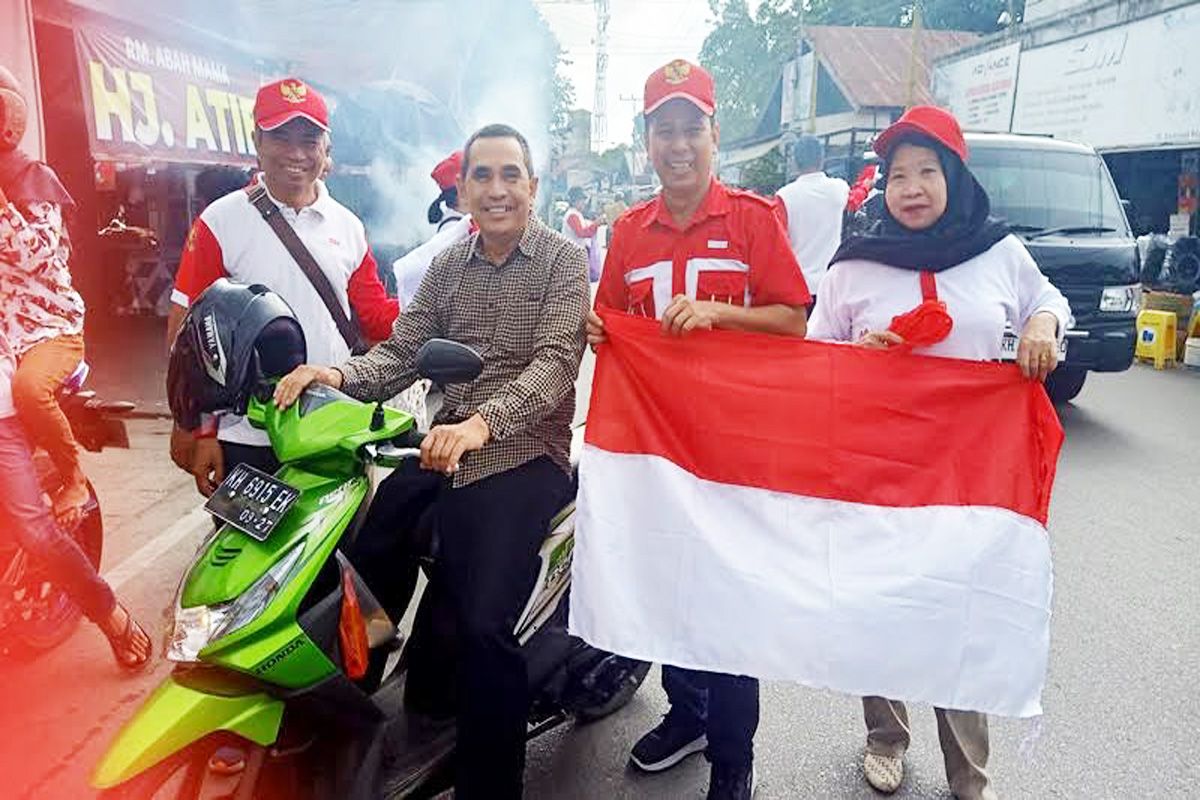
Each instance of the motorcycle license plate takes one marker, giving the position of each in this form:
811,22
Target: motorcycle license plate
252,501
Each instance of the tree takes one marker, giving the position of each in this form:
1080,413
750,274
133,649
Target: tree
855,12
563,97
614,162
764,175
980,16
746,54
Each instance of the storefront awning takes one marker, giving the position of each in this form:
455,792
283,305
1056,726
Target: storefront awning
153,100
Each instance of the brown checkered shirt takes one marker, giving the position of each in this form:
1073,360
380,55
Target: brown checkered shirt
525,318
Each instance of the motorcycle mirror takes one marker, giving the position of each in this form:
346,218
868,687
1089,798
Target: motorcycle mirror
443,362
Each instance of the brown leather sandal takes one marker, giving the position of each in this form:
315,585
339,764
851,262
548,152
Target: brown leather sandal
122,644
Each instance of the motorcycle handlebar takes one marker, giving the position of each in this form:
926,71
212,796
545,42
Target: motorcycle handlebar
410,438
397,449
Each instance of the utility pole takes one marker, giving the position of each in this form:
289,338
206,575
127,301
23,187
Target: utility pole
600,88
600,99
914,55
633,101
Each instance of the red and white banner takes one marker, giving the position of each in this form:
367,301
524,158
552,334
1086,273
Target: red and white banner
865,521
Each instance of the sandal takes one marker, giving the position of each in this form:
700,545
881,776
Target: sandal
884,773
69,516
122,644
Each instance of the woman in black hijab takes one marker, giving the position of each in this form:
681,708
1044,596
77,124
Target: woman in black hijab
939,276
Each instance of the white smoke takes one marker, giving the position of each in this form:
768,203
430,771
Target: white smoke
406,193
502,79
479,61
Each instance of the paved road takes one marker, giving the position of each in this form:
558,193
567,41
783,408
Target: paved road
1120,717
59,711
1126,645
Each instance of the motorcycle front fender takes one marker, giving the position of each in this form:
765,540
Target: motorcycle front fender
175,716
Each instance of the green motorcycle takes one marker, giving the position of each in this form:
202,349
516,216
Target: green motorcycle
289,677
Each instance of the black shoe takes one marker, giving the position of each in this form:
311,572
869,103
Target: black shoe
731,783
668,744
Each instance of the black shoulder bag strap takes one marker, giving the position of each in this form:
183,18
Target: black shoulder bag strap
308,265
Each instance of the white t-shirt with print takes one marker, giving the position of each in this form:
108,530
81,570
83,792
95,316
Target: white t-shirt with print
1000,286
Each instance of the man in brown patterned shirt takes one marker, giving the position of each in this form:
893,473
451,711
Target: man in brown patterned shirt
495,465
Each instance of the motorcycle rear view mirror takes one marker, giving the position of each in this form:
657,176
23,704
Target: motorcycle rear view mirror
444,362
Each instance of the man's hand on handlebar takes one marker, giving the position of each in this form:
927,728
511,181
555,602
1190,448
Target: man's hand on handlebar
292,385
445,445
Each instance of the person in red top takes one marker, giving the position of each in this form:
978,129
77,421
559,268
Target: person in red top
231,239
576,226
700,256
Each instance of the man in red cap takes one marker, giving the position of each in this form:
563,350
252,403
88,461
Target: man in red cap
232,239
700,256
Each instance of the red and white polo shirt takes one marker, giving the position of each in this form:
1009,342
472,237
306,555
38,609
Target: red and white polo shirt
232,240
733,250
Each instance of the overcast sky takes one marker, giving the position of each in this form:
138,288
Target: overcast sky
642,35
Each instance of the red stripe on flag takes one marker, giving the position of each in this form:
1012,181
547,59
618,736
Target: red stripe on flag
826,420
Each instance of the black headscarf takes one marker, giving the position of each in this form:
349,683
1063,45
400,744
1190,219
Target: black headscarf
448,197
964,230
26,180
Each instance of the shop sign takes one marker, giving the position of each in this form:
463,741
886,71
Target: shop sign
1135,86
979,89
149,99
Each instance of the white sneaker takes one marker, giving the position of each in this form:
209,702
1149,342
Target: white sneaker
884,773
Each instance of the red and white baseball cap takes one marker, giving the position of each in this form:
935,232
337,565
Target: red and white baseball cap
281,102
936,123
681,80
445,174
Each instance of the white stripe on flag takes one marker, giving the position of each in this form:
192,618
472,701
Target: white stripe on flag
948,605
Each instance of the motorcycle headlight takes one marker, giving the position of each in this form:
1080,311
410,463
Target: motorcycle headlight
1119,299
198,627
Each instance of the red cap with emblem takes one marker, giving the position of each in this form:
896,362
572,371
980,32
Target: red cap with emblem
446,173
681,80
281,102
936,123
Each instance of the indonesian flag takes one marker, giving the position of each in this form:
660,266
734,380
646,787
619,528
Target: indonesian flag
859,520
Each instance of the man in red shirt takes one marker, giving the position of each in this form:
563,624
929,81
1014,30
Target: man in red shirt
232,240
700,256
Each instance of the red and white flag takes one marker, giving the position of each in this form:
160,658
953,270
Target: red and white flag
859,520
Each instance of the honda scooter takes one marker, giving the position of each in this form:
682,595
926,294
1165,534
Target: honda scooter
289,678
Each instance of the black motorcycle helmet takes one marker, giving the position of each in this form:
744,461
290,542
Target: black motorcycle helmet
233,337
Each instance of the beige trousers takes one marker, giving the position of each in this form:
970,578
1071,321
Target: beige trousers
963,735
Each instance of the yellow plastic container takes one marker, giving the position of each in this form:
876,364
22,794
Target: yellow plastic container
1156,337
1181,304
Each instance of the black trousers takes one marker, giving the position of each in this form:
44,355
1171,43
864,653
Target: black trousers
488,533
724,706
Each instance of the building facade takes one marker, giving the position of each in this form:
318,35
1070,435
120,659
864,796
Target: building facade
1119,75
